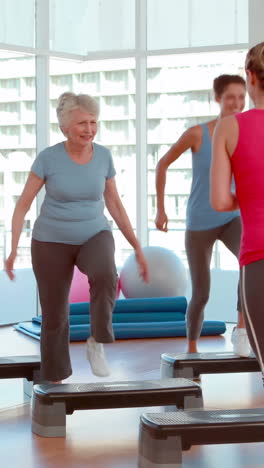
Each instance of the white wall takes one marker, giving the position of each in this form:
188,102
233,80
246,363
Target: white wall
222,304
18,298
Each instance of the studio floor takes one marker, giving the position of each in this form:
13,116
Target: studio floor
109,438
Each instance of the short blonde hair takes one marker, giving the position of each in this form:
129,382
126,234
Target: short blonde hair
255,62
68,102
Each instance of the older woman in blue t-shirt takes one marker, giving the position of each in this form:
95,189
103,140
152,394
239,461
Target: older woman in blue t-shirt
72,229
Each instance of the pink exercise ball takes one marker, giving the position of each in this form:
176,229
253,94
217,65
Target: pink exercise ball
80,288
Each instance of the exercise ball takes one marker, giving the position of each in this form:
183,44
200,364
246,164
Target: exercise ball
80,288
167,275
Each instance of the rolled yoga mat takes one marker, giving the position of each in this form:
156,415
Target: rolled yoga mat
129,317
132,318
148,304
131,330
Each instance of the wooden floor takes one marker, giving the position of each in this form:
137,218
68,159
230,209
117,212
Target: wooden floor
108,438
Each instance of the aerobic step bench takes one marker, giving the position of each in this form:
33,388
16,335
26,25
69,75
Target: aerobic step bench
27,367
191,365
51,403
151,317
164,436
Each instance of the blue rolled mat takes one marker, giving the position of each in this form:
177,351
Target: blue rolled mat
127,317
131,330
148,304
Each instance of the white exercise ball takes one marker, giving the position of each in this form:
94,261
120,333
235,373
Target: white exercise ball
168,275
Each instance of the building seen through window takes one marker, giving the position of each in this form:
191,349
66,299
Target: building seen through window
179,95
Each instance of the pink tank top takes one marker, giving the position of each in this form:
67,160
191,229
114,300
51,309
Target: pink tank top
248,168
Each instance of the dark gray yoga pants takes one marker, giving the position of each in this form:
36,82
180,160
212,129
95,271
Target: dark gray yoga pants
53,265
252,299
199,247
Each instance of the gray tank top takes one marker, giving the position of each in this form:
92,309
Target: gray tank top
200,215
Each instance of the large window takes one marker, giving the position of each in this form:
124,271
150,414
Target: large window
17,145
150,64
17,22
195,23
112,83
180,96
93,25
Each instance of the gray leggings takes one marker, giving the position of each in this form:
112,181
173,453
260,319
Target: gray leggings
252,296
199,247
53,265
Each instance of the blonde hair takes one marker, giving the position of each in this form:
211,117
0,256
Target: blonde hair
255,62
68,102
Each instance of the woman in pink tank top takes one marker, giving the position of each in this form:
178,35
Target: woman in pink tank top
238,149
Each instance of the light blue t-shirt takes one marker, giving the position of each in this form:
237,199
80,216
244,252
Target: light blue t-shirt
73,209
200,214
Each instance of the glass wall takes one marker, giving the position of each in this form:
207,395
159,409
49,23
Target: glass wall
17,22
180,96
93,25
196,23
112,83
17,146
106,48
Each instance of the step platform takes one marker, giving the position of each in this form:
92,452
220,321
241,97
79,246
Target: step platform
27,367
51,403
164,436
191,365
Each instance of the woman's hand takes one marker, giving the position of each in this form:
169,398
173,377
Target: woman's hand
161,221
142,265
9,266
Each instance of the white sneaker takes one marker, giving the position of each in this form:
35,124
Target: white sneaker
96,356
240,341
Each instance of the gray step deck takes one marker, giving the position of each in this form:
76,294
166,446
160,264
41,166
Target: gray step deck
164,436
13,367
189,365
26,367
51,403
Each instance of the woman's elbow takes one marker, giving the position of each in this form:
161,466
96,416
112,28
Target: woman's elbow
219,207
219,204
162,166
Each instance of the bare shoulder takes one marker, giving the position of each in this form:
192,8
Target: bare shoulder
195,131
196,136
227,131
227,124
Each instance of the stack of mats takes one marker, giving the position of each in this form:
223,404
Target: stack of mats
132,318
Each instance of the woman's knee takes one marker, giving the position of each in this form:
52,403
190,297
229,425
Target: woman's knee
200,299
104,278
